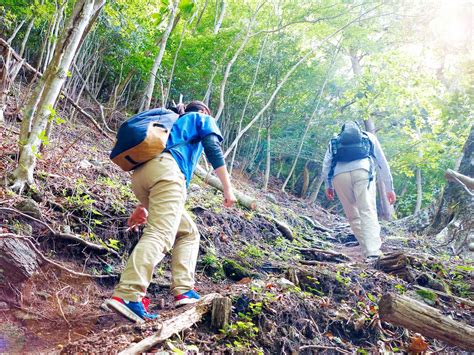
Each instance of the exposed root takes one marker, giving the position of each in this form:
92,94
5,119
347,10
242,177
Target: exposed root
44,258
65,236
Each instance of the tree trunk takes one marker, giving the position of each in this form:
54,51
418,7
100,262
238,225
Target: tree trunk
232,61
419,186
269,102
219,17
175,60
453,223
419,191
207,95
268,160
247,100
286,77
304,189
145,104
53,38
221,312
280,167
50,87
81,90
10,65
251,160
308,123
118,91
15,31
5,60
465,181
200,17
25,39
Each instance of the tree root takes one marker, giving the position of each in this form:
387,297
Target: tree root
45,259
316,224
66,236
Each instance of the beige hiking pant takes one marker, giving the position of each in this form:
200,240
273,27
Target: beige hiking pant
360,208
160,186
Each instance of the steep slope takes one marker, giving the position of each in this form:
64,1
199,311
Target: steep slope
293,271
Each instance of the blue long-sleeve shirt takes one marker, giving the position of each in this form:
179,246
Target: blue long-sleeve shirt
186,138
343,167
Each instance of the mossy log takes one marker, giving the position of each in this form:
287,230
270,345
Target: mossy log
419,317
235,271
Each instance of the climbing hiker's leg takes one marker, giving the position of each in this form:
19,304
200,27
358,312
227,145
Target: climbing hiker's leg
367,206
166,197
343,186
184,258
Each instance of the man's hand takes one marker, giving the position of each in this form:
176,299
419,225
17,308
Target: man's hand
229,198
330,194
391,197
138,217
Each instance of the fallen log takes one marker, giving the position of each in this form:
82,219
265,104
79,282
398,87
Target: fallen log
419,317
243,199
173,326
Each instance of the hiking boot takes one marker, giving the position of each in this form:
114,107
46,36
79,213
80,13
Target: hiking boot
186,298
134,311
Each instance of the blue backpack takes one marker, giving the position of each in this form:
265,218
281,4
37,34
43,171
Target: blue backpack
142,137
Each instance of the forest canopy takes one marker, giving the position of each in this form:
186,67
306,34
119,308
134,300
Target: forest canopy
280,76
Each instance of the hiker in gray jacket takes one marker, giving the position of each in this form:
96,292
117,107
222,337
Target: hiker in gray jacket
349,168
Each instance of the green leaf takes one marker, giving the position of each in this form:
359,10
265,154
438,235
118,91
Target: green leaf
187,6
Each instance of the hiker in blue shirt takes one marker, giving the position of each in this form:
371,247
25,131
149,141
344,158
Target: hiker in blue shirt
160,186
348,168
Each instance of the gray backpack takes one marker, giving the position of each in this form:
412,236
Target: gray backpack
351,144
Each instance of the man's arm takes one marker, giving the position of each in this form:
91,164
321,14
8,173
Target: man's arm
384,169
213,151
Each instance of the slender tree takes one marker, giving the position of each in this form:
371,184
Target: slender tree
150,87
48,90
